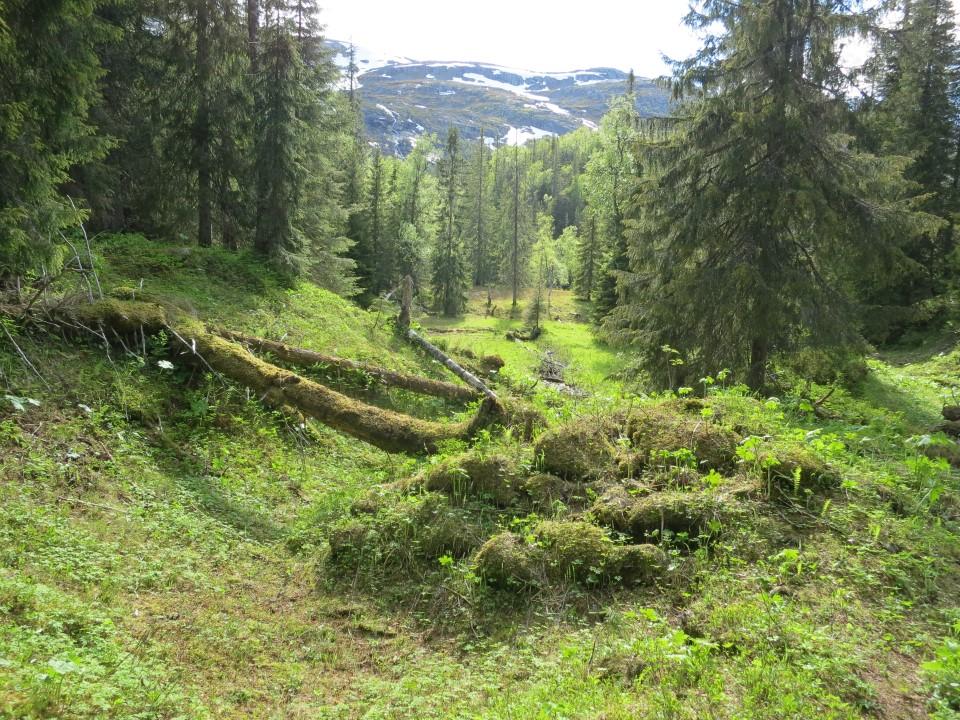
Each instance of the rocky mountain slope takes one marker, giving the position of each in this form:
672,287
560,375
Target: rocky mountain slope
403,99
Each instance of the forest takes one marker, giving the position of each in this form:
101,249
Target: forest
654,419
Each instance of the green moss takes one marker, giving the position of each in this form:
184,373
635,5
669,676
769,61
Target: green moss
796,465
573,550
545,489
637,564
580,449
660,432
494,477
565,552
350,541
507,561
648,515
391,530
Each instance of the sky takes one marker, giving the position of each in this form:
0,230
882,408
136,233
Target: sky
528,34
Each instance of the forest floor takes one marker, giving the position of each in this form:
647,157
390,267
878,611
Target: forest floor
167,542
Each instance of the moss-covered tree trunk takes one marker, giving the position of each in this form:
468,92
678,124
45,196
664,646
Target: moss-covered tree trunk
385,429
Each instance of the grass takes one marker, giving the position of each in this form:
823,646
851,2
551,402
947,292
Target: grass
163,542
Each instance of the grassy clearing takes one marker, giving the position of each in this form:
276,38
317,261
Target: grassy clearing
165,540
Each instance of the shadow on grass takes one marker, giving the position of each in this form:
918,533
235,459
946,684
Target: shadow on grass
884,393
213,501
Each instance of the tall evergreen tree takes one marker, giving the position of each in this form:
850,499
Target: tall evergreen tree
588,256
449,270
279,135
916,115
609,182
755,212
48,82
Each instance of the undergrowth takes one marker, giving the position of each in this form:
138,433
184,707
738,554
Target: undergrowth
170,547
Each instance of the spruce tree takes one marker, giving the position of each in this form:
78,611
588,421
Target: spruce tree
449,270
279,167
755,213
916,115
608,186
48,83
588,256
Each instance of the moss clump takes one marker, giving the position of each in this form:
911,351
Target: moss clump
574,550
568,551
649,515
492,363
507,561
791,466
349,541
545,489
637,564
441,529
660,432
615,505
394,531
580,449
123,317
493,477
946,450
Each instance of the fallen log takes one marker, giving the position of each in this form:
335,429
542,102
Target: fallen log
468,377
950,427
303,357
403,323
388,430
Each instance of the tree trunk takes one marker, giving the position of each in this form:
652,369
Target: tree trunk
202,130
307,358
759,351
451,365
388,430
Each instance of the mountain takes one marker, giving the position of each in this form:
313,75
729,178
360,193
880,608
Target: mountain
403,99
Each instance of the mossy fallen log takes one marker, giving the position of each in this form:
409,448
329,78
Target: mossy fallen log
306,358
385,429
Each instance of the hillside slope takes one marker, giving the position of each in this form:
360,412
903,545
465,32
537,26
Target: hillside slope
170,547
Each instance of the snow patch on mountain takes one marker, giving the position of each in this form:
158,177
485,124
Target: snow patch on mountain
542,101
519,136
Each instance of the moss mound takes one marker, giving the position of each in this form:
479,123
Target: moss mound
393,530
545,489
507,561
637,564
796,468
492,477
573,550
580,449
564,552
661,433
644,516
349,542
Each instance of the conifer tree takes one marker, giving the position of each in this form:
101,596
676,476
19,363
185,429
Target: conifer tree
449,270
588,256
45,126
608,186
279,135
516,247
918,116
755,212
479,229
